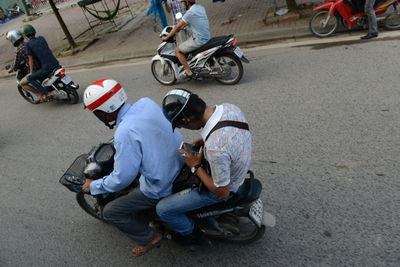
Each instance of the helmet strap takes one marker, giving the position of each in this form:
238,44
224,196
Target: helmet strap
111,125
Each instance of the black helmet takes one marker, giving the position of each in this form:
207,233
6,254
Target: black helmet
180,103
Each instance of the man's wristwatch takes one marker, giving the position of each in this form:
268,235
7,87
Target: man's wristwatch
194,168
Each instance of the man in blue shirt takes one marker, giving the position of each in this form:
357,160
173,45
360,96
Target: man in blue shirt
196,18
144,144
38,49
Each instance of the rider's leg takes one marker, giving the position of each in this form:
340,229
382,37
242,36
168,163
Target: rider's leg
370,11
37,75
172,209
184,48
121,212
182,59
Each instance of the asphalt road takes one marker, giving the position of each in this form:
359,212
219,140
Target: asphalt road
326,148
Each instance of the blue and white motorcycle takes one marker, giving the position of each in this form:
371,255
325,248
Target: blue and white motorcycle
219,59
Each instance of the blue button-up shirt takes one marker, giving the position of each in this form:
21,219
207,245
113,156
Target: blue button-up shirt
144,143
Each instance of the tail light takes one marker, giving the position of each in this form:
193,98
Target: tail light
62,72
234,42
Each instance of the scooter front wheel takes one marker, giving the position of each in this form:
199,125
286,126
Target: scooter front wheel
164,74
323,25
89,204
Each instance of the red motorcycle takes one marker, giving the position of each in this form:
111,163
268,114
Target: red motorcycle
325,20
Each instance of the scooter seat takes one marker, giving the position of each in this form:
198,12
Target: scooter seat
248,192
216,41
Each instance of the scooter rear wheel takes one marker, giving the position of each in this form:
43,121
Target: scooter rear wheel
235,67
246,232
27,95
73,97
316,24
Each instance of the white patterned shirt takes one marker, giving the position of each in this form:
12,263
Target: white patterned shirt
228,149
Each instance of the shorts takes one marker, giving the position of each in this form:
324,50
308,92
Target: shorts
189,45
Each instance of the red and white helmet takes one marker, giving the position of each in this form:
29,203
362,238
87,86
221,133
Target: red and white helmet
104,95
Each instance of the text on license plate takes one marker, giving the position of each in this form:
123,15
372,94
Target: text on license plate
257,211
66,79
238,51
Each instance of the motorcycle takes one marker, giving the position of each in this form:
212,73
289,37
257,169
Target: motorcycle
15,11
325,20
241,219
60,84
220,58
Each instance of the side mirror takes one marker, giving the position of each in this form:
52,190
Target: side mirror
178,16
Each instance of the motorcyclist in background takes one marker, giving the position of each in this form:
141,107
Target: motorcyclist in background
37,48
21,62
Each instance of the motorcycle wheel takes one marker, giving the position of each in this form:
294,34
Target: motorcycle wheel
73,97
89,204
235,66
27,95
246,232
164,76
392,21
318,19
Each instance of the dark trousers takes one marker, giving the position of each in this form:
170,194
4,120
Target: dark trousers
39,75
370,11
122,212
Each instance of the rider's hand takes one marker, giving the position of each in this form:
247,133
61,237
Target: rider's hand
86,185
165,38
191,159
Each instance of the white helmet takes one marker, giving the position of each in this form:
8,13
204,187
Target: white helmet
14,36
104,97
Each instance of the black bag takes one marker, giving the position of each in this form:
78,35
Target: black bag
186,179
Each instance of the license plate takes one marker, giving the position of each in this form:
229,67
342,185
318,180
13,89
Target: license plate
257,211
238,51
66,79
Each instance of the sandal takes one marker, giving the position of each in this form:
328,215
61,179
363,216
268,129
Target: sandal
140,250
186,76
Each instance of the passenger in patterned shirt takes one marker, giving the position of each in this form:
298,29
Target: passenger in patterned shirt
226,149
21,62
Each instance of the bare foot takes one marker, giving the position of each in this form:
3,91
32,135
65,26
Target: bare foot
140,250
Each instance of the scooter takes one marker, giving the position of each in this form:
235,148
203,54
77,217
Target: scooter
241,219
60,84
15,11
325,20
219,59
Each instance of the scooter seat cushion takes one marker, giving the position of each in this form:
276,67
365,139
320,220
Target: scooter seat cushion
216,41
